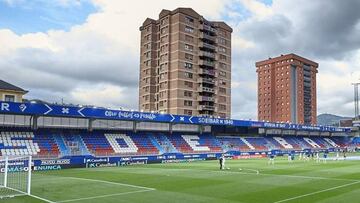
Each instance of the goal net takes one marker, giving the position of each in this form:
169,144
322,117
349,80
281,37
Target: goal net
15,176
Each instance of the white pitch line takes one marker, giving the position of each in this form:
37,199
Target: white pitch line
108,182
40,198
317,192
103,196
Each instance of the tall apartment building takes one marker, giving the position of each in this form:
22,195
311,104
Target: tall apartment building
185,65
287,89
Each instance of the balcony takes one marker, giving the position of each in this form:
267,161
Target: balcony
207,63
204,98
203,35
208,28
206,80
207,46
207,72
207,54
206,89
205,108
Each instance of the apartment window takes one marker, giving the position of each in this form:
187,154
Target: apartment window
222,57
147,37
188,75
222,107
222,82
188,84
222,41
189,38
161,103
163,39
189,29
222,90
164,30
222,99
188,65
187,103
147,46
189,19
222,73
188,112
222,65
222,49
222,33
189,56
187,93
9,98
189,47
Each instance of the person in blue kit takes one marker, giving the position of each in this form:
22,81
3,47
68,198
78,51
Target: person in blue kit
271,158
326,152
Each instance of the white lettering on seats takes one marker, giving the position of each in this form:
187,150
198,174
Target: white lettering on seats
332,143
192,140
283,143
130,148
311,142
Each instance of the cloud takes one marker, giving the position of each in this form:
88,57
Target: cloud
319,30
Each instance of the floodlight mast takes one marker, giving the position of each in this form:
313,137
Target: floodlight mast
356,99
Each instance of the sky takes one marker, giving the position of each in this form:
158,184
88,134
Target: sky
87,51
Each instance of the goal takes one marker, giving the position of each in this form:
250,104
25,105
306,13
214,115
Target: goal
15,176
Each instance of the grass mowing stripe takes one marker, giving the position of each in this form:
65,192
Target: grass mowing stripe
103,196
104,181
317,192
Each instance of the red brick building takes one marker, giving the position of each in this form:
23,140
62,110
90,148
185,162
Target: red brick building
287,89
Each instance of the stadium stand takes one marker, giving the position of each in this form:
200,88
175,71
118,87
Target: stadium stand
56,144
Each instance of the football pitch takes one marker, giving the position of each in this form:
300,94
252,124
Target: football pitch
251,180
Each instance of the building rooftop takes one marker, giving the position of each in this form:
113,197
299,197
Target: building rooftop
7,86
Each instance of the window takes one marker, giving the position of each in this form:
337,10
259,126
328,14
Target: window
222,82
187,103
187,93
222,65
189,56
222,73
222,49
9,98
163,39
189,29
187,112
222,90
222,107
189,38
188,75
163,30
189,47
189,20
222,41
188,65
222,57
188,84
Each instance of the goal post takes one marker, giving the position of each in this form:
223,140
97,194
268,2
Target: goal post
15,176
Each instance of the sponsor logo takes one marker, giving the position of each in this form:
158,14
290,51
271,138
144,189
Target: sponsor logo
97,160
98,165
55,162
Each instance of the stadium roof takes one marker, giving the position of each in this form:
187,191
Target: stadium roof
7,86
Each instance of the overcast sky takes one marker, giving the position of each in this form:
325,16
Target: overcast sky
87,51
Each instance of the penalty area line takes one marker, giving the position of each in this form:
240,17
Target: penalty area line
317,192
104,196
109,182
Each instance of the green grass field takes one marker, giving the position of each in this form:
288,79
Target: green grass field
335,181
